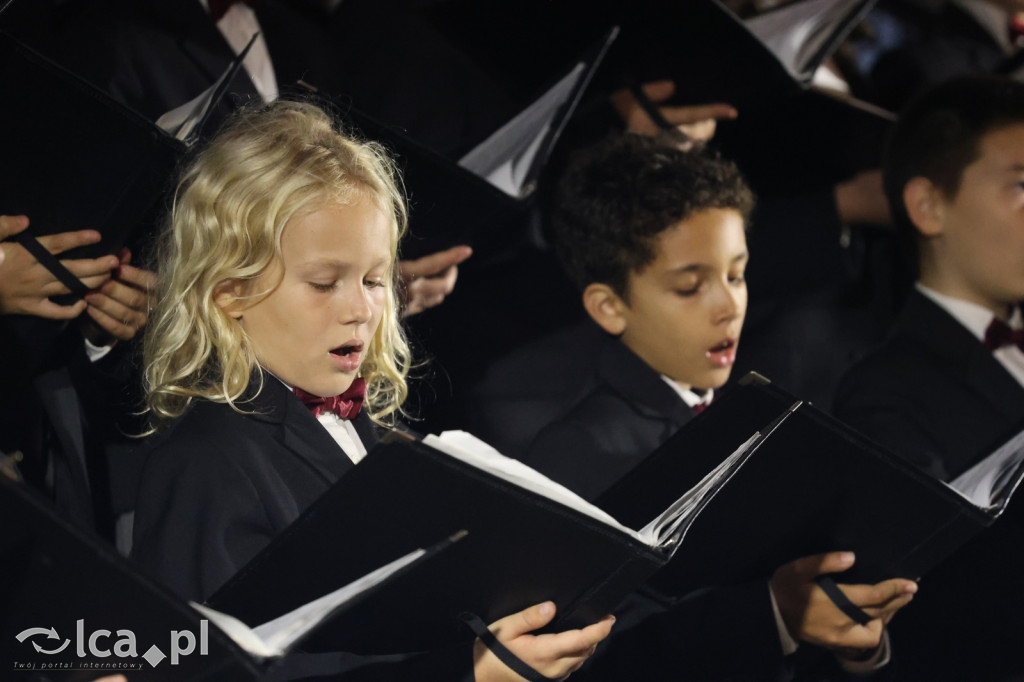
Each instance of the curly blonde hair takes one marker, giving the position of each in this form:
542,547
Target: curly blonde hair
271,164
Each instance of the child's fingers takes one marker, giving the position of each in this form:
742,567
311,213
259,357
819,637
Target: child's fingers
128,296
434,264
12,225
65,241
806,569
576,642
527,620
885,597
860,636
659,91
143,279
50,310
91,267
117,320
678,115
54,287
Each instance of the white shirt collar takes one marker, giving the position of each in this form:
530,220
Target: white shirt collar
974,317
689,396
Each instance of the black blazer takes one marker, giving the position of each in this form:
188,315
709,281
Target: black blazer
627,412
624,413
219,485
932,393
155,55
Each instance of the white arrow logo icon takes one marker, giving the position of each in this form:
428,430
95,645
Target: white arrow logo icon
50,634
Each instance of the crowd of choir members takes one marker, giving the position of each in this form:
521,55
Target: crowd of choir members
888,292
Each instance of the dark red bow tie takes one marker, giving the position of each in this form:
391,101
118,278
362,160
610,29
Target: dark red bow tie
346,405
218,8
999,334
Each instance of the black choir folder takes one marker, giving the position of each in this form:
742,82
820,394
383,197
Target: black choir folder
54,575
484,198
530,540
814,485
73,157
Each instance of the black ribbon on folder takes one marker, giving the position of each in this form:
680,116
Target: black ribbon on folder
517,665
51,263
854,612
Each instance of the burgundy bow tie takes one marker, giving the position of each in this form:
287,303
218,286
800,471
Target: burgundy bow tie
999,334
218,8
346,405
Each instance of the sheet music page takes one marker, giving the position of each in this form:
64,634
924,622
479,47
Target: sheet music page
275,637
665,525
504,159
475,452
984,483
797,32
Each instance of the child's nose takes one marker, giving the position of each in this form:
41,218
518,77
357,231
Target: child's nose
359,308
728,303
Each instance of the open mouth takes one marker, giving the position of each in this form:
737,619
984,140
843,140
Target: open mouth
722,354
347,356
348,349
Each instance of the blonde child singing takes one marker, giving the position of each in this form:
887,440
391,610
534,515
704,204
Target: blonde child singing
277,280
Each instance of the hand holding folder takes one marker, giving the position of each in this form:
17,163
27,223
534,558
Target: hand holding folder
26,285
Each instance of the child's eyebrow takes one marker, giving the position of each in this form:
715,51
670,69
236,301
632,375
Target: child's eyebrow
697,267
324,263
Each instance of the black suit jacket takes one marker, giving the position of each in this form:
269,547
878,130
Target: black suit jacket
155,55
931,393
219,485
625,410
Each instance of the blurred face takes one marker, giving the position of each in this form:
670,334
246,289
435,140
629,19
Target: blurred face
314,328
685,310
979,249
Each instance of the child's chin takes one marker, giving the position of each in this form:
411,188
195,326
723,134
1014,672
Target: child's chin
718,377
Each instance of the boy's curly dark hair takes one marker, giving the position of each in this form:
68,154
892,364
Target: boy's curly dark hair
617,196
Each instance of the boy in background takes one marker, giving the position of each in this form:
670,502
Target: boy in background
655,239
947,386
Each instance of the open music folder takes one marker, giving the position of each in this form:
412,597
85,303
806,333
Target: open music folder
814,485
530,540
61,584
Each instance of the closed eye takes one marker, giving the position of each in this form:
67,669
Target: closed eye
318,286
373,283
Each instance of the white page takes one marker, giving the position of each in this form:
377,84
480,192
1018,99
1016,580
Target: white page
504,159
182,120
660,529
981,483
275,637
473,451
797,32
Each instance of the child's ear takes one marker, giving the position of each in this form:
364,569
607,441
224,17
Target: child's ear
230,296
925,206
605,307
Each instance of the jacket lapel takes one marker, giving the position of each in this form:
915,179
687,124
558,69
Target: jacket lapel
640,385
300,432
982,376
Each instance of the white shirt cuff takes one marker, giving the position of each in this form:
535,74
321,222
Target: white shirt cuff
94,352
878,660
789,645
